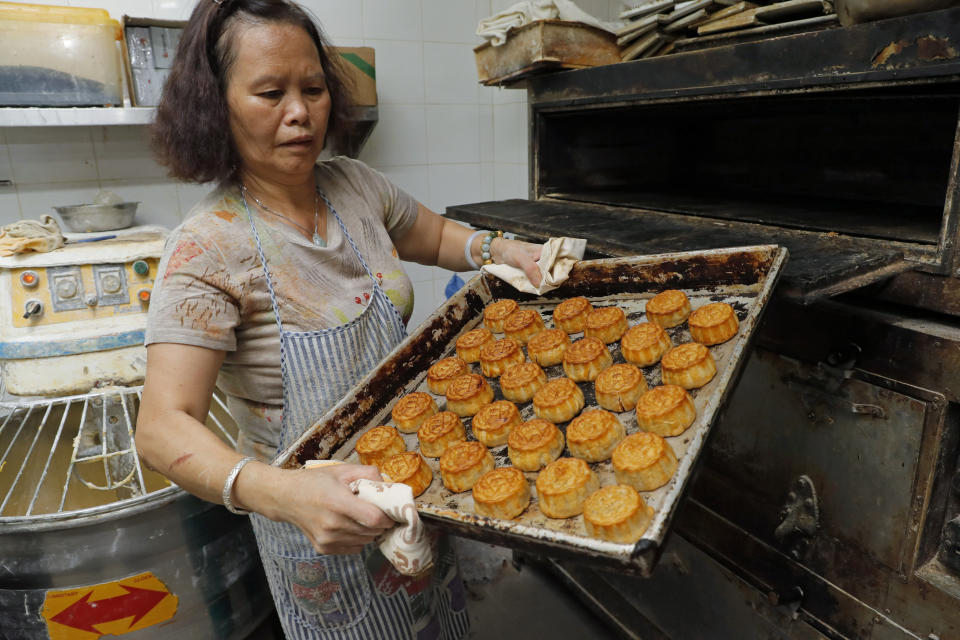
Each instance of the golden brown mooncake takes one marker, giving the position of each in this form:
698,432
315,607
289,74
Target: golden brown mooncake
439,431
546,348
592,435
617,513
668,308
644,344
443,371
495,314
563,485
467,393
497,356
713,323
412,409
619,386
558,401
493,422
666,411
571,314
462,464
521,381
378,444
502,493
534,444
606,323
689,365
523,324
470,343
585,359
645,461
409,468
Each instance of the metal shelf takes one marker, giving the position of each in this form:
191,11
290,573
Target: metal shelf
74,116
94,116
364,118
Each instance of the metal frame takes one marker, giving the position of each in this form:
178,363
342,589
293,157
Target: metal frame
18,414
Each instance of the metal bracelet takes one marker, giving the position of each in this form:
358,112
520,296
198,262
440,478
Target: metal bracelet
228,487
468,248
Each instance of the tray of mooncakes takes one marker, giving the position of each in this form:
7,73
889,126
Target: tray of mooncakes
567,424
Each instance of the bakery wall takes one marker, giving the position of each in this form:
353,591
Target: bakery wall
441,136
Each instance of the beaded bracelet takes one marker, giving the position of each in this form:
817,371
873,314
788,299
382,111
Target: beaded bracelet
485,256
485,246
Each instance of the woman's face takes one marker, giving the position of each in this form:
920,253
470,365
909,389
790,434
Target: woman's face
278,102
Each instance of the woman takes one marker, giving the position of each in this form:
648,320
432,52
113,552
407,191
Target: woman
284,287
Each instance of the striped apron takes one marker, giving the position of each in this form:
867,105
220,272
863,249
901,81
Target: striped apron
357,596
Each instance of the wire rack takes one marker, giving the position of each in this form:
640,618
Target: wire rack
77,453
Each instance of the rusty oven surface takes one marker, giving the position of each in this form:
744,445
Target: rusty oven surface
742,276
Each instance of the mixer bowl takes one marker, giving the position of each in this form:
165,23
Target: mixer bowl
82,218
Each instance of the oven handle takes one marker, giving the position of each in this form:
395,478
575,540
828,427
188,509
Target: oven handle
803,385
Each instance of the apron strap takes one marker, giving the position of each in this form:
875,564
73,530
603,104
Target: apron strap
263,261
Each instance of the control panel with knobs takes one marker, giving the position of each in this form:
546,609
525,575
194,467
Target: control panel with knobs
57,294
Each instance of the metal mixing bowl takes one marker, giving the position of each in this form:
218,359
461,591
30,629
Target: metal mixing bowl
82,218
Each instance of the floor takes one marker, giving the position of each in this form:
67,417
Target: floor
528,603
508,601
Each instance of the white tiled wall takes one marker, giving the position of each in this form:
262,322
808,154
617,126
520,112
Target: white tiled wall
441,136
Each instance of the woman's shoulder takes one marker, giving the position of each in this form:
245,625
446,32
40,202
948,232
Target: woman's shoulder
351,182
216,223
221,203
344,167
342,174
217,216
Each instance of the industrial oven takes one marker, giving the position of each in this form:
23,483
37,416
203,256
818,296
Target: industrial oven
827,502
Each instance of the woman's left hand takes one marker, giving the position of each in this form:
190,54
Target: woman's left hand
522,255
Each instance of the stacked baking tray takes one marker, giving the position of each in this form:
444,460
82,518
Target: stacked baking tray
744,277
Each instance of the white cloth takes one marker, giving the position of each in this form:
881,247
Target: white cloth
496,26
406,546
30,235
556,260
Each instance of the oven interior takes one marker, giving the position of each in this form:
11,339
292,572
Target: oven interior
872,164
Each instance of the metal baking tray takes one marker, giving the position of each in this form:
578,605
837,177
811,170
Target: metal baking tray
741,276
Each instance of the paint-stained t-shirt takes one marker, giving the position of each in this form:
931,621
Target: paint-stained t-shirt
211,290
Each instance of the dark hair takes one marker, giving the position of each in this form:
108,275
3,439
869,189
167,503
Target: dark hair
191,134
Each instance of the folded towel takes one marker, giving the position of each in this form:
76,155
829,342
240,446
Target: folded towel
556,260
30,235
407,545
496,26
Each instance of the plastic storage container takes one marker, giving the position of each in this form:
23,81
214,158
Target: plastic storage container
58,56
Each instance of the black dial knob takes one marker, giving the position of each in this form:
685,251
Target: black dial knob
32,308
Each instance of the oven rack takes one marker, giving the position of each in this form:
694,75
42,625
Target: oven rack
76,454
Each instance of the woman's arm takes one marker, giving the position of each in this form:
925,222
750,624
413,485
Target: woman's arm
172,438
439,241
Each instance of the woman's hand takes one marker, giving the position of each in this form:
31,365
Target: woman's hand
320,503
521,255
